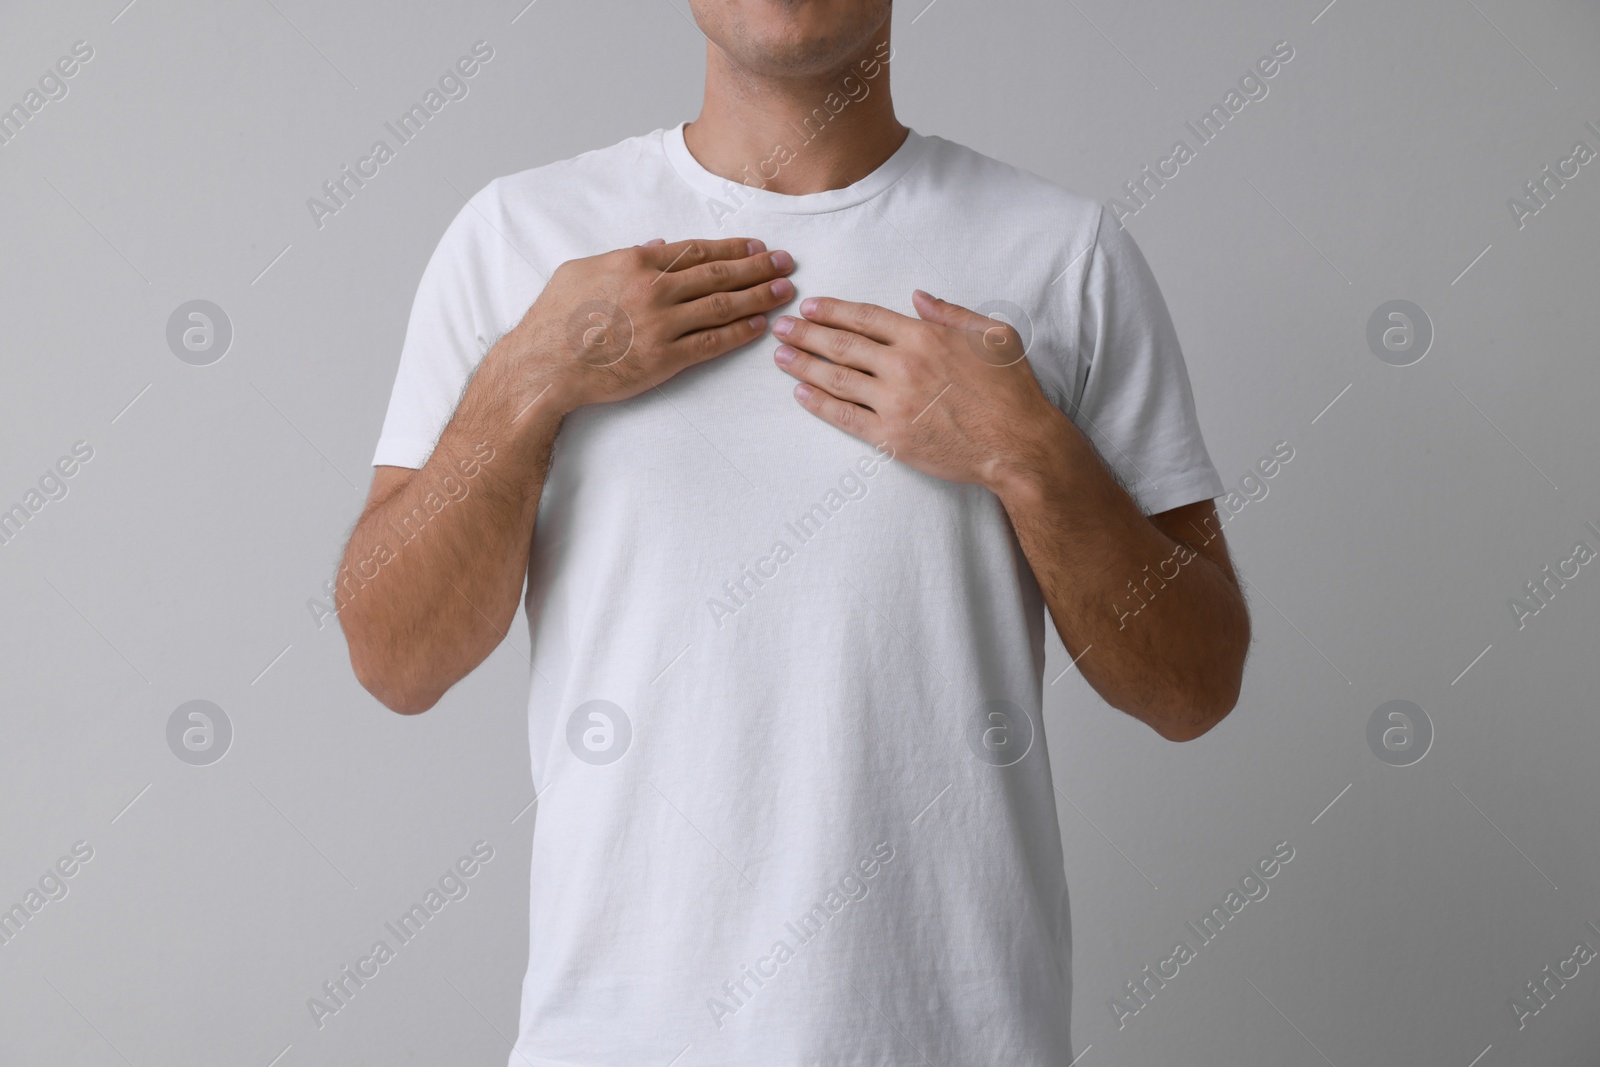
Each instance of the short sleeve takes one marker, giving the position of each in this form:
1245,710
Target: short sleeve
454,320
1135,403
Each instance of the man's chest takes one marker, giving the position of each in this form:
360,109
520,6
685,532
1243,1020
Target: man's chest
722,454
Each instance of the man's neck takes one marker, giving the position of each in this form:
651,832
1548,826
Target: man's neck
797,136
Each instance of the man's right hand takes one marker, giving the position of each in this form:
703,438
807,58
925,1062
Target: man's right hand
419,614
608,327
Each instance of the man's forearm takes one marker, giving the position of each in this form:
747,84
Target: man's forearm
421,612
1177,665
433,573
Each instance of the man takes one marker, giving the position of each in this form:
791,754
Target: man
787,576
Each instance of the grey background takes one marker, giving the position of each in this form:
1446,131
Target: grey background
180,564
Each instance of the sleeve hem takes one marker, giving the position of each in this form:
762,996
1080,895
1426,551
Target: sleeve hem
1201,483
402,452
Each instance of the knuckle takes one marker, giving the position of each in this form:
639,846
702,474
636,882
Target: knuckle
865,315
1002,337
719,271
838,379
720,305
708,343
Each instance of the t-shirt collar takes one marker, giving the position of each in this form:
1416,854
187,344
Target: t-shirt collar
738,194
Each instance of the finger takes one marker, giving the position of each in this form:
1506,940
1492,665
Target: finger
840,346
721,308
834,378
995,341
869,320
702,345
727,275
680,255
853,419
945,313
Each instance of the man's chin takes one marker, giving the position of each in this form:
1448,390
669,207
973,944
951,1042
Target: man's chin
791,39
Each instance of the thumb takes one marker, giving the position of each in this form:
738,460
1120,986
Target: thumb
944,313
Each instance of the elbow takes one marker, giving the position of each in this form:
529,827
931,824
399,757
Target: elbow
1193,711
391,691
1183,714
403,703
1194,720
400,699
1210,693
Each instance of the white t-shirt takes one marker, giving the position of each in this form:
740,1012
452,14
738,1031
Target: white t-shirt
784,721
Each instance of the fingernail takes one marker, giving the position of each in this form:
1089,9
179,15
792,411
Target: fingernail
808,307
783,288
783,326
782,261
756,322
784,355
755,248
803,391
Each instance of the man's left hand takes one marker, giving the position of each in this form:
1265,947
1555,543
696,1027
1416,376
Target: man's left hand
949,393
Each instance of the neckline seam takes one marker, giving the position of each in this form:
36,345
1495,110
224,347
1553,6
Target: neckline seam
718,189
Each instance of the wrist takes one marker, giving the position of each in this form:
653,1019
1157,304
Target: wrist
1032,467
532,383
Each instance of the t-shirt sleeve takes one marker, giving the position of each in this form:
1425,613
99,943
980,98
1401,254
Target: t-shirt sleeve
1135,403
454,320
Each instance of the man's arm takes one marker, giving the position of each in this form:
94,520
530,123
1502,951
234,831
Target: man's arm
420,614
1149,607
434,569
953,397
